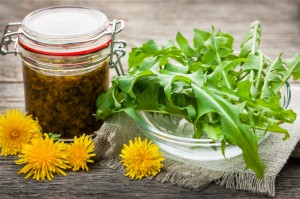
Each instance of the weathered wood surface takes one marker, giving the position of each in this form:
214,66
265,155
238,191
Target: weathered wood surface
102,182
160,20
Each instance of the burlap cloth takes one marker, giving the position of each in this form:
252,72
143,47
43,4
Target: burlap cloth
228,173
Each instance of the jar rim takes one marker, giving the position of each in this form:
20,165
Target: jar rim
71,53
65,31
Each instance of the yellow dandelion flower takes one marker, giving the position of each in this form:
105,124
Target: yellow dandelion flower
16,129
79,152
141,158
43,158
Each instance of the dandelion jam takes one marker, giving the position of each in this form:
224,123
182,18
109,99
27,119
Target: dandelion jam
65,104
66,55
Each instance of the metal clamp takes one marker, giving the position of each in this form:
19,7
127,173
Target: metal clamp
10,37
117,48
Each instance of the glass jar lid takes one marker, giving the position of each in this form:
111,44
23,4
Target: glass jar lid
65,31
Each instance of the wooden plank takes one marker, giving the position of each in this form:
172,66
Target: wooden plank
103,182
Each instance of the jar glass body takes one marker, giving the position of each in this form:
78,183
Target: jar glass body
66,53
61,91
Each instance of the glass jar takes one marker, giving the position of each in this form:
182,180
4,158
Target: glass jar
66,54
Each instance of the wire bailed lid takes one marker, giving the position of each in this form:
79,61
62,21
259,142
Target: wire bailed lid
65,31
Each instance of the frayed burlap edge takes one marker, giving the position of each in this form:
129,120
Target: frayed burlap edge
198,179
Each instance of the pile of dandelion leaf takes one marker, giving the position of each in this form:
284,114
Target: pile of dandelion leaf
226,95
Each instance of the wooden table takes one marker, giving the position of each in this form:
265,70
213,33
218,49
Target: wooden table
160,20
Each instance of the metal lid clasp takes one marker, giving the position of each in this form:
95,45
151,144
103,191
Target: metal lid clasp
10,37
117,48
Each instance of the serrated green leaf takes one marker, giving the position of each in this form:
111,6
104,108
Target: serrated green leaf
126,83
221,73
294,65
273,108
184,45
243,89
234,132
138,54
54,136
213,131
274,127
148,99
223,146
279,73
229,42
176,68
107,103
200,38
251,41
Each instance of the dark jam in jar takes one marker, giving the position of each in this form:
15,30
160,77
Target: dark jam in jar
64,104
66,54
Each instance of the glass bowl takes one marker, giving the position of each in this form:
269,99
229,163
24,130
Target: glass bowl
174,135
